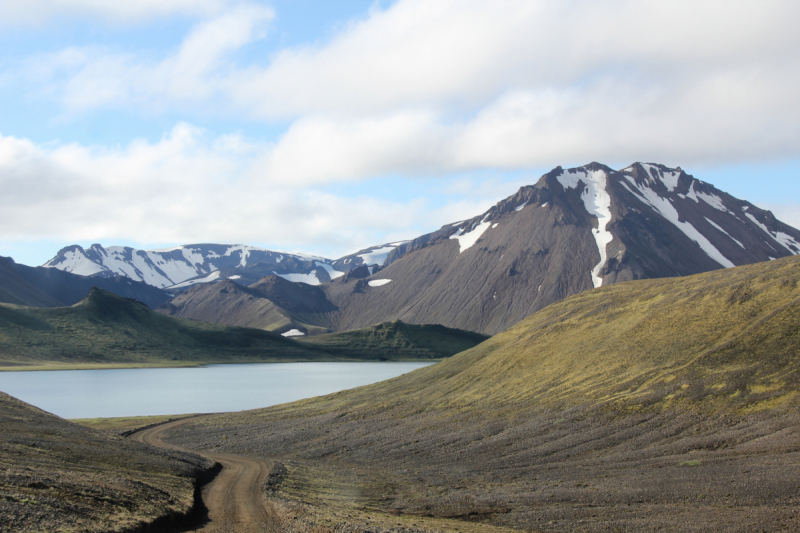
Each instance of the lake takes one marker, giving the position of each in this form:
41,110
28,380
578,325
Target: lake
209,389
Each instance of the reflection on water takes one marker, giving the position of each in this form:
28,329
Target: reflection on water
211,389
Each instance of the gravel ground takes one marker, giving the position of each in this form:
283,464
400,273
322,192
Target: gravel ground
569,470
58,476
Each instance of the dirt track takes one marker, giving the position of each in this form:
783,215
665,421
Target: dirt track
235,498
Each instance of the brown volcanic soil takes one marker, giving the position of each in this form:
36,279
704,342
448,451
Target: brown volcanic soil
58,476
663,404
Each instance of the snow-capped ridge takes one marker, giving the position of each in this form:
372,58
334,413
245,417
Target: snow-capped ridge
183,266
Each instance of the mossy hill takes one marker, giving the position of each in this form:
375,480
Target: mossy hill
397,341
106,329
58,476
642,405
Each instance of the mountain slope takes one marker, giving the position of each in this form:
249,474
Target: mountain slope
47,287
16,290
194,263
574,230
59,476
273,304
641,405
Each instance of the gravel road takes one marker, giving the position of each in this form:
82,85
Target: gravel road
235,499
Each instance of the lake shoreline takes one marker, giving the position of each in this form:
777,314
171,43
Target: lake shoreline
209,388
8,366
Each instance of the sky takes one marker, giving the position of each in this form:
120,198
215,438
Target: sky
327,127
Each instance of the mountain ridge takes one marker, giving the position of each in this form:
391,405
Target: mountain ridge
574,230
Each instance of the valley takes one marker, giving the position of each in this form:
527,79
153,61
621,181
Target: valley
613,409
641,373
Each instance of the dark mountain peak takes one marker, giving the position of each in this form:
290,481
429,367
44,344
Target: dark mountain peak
360,272
594,166
106,306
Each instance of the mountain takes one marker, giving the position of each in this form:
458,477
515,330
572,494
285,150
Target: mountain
666,404
573,230
272,303
49,287
187,265
59,476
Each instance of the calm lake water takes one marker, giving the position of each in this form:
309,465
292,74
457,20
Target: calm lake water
211,389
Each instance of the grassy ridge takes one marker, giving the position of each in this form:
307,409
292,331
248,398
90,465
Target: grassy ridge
106,328
397,340
728,338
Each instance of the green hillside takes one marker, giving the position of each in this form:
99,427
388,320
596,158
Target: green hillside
668,403
392,341
107,329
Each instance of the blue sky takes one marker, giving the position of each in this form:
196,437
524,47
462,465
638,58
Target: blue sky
327,127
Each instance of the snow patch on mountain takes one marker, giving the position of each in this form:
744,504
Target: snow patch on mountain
519,208
598,203
781,238
712,200
377,256
723,231
467,240
243,250
666,209
78,263
332,272
378,282
669,177
208,279
293,333
311,279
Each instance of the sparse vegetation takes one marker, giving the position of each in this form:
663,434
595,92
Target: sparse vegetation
59,476
596,400
393,341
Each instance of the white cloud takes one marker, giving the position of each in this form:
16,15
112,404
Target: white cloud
189,187
38,11
441,85
188,75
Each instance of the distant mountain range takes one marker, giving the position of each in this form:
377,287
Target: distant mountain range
184,266
573,230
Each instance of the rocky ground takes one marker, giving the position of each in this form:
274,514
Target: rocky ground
555,471
58,476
